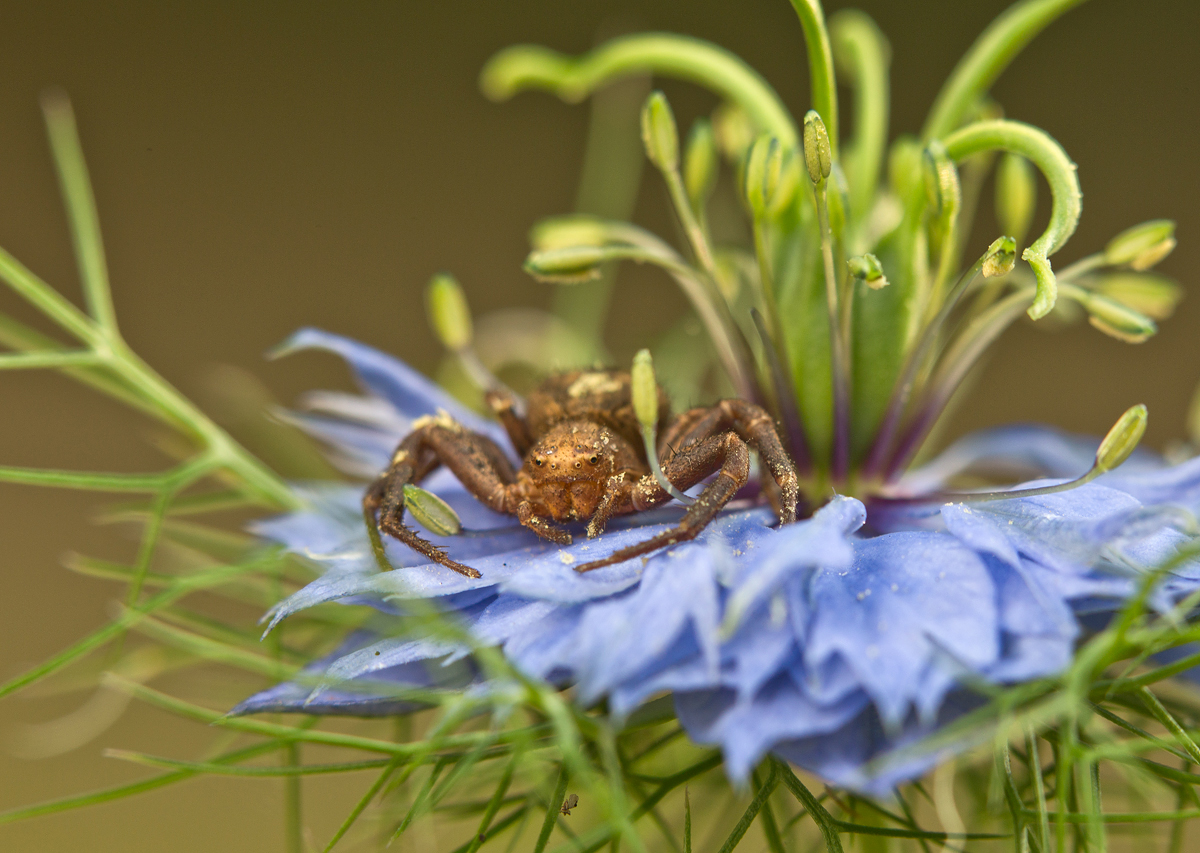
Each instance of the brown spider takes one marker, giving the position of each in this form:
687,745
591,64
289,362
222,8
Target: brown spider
584,458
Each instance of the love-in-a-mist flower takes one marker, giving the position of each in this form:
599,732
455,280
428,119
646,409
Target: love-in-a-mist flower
839,641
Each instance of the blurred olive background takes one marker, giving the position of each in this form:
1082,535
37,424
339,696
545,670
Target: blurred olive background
264,166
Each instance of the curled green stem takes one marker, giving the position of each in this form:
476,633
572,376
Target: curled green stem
986,60
572,79
1043,151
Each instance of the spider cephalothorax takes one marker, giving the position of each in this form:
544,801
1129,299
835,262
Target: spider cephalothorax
584,460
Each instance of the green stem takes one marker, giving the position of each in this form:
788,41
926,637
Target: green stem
27,341
80,203
691,225
227,453
49,301
995,48
1043,151
572,79
820,67
65,358
863,57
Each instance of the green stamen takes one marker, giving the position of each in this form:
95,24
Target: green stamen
450,317
644,389
817,158
1122,439
431,512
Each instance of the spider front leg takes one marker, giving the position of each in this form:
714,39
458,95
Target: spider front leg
618,494
541,525
726,454
474,459
505,405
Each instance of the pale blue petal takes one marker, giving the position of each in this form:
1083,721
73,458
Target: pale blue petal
408,391
908,598
746,731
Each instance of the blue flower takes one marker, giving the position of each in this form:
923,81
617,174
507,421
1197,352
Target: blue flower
836,642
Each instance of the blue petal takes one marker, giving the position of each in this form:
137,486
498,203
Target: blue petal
910,598
746,731
412,394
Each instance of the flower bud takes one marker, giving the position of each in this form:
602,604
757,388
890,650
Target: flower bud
868,268
566,265
1146,293
1016,195
818,156
659,133
1117,320
431,512
700,163
644,390
733,130
1141,246
1000,257
1122,438
448,312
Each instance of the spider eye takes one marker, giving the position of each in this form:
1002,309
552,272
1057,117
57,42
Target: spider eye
594,460
538,462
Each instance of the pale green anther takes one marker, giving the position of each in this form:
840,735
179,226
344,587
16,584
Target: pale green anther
560,232
817,153
1117,320
1141,246
1000,257
448,312
431,512
1016,195
566,265
644,389
659,133
1152,295
868,269
733,130
941,182
1122,439
700,161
